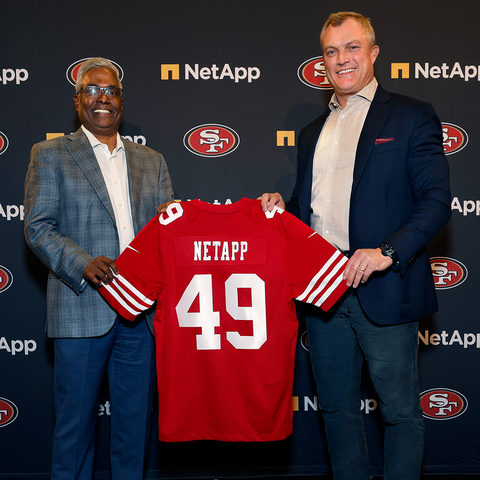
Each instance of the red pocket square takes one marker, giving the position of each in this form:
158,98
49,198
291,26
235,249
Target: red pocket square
378,141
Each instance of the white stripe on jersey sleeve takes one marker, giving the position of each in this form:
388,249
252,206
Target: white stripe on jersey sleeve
335,284
141,297
128,296
119,282
326,280
120,300
315,279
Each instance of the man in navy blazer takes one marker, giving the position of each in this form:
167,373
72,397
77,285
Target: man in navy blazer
373,179
86,196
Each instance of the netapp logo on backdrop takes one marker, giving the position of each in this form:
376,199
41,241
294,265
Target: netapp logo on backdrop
6,279
3,143
195,72
447,272
443,404
18,346
10,75
455,138
140,139
8,412
465,339
312,73
466,72
367,405
72,70
12,211
211,140
469,206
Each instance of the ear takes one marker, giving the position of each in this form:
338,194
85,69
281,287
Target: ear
374,53
76,101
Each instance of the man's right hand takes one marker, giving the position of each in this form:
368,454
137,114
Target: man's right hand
163,207
100,271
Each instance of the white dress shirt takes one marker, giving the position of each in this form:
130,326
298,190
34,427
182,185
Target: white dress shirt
114,170
333,164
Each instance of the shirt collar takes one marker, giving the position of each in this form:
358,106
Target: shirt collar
95,142
367,93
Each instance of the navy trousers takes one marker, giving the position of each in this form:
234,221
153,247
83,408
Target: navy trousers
339,342
127,352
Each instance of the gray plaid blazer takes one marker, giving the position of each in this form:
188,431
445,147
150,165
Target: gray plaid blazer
69,220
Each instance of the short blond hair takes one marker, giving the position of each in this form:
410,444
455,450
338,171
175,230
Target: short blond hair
336,19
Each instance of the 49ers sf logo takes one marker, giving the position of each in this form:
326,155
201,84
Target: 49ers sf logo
447,272
312,73
8,412
211,140
455,138
442,403
3,142
6,279
72,70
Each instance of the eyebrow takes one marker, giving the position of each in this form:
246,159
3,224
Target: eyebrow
97,85
356,41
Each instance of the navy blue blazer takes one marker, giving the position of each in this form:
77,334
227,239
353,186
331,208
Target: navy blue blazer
400,195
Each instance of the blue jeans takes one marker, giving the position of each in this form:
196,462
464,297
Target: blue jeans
127,353
339,342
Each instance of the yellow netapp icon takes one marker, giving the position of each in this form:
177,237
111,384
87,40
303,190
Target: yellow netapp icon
54,135
288,135
170,68
404,67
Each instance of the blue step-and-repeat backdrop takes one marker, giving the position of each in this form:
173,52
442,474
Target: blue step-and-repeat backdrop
244,77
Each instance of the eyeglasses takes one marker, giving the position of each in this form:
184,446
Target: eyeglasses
95,91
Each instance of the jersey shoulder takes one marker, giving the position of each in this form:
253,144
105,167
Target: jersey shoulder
278,220
177,215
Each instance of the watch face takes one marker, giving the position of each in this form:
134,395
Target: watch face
389,251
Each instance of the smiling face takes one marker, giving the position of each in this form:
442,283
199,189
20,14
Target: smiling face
100,115
348,58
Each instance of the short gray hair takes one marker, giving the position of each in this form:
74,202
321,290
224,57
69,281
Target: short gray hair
336,19
95,62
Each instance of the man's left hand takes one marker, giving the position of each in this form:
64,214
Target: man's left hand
271,200
363,263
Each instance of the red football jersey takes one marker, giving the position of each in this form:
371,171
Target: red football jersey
225,278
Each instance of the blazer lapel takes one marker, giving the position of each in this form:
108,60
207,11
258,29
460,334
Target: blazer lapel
82,152
376,117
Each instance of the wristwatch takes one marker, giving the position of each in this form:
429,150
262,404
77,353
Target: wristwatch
389,251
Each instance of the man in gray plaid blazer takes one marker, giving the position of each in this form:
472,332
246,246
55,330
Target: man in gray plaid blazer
86,196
